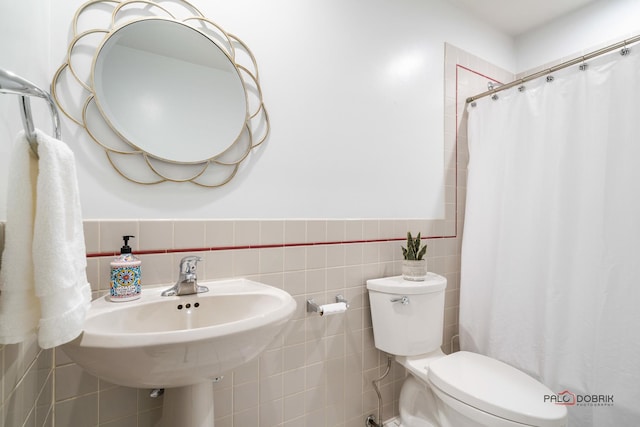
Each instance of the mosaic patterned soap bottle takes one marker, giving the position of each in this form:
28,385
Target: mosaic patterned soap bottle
125,274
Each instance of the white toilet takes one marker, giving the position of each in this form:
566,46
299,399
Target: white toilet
462,389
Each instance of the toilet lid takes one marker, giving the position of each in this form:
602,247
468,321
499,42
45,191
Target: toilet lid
397,285
495,387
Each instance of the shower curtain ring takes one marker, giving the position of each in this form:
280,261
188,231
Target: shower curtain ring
584,65
625,50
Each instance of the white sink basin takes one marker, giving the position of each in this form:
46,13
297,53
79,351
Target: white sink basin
158,342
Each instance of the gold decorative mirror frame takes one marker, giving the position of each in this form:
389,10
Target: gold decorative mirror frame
74,92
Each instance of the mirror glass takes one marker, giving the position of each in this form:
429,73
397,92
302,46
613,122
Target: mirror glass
175,103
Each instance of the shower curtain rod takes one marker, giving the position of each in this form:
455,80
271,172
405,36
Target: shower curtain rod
621,45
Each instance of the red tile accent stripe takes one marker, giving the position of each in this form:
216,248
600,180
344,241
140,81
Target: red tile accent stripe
268,246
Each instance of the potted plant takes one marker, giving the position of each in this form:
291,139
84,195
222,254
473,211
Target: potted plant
414,266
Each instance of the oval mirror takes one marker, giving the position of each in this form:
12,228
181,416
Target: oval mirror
168,95
177,104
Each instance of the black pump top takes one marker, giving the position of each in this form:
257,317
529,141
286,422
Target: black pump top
126,249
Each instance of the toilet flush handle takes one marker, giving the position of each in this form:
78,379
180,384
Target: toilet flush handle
404,300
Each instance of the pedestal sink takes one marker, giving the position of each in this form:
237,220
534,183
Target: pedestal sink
181,343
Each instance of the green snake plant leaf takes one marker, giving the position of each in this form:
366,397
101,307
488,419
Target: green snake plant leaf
413,251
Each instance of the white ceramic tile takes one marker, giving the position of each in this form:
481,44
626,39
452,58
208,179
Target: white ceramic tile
335,255
370,229
354,230
222,402
334,326
353,276
93,273
219,233
295,282
81,411
295,231
111,233
316,256
247,417
353,254
246,233
336,230
295,258
293,381
224,421
246,262
117,403
316,280
271,362
389,250
354,324
129,421
400,227
271,413
151,418
146,403
271,389
219,264
314,349
334,345
294,406
296,334
370,253
271,260
315,399
155,234
156,269
335,279
316,231
271,232
188,234
72,381
386,229
249,372
91,231
294,357
246,396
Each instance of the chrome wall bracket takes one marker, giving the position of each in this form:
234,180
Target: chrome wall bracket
313,307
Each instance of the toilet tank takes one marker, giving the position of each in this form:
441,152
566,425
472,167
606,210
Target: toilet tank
407,316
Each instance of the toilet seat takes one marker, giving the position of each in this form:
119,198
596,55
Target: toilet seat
496,388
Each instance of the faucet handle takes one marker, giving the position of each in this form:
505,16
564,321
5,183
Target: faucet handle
189,264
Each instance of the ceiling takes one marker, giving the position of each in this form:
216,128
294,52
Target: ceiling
515,17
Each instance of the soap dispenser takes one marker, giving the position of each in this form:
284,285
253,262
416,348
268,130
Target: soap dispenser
125,274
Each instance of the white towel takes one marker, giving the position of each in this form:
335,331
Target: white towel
43,278
19,307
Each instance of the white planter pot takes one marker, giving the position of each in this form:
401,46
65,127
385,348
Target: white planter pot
415,270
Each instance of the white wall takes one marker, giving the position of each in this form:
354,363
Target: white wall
347,115
600,23
355,94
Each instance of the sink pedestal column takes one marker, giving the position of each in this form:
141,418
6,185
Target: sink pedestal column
190,406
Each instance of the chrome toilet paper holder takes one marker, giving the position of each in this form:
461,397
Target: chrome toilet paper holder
313,307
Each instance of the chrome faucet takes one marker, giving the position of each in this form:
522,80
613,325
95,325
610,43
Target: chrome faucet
187,283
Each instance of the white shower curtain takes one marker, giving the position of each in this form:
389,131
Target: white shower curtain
551,247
